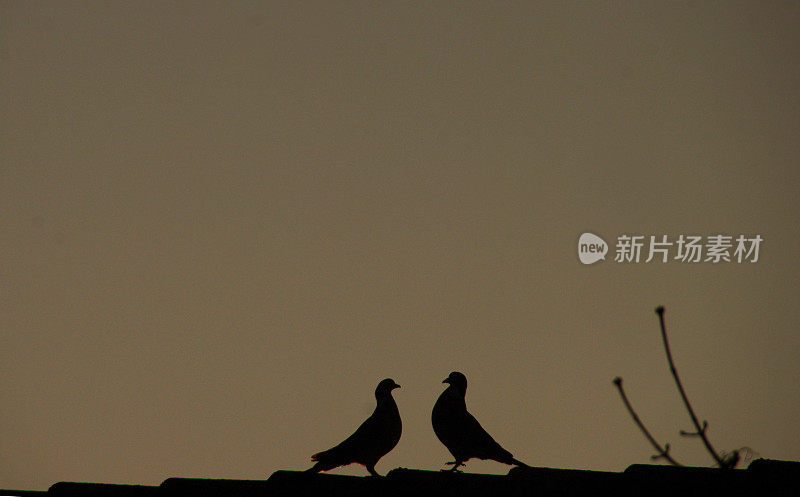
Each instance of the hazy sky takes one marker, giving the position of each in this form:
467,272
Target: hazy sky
222,224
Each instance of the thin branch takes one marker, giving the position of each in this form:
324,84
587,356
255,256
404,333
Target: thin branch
663,452
701,430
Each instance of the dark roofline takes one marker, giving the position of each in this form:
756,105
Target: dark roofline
762,477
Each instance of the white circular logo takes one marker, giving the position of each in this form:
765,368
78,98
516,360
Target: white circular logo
591,248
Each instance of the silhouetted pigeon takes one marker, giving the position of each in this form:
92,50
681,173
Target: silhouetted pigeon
372,440
459,431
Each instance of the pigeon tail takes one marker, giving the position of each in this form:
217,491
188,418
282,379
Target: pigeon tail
517,462
326,460
341,455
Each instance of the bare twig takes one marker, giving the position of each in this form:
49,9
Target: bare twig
663,452
700,430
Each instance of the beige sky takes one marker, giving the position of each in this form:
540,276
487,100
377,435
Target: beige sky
222,225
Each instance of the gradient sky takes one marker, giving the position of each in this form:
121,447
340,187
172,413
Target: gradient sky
223,224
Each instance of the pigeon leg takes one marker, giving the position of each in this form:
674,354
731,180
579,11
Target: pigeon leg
456,465
371,469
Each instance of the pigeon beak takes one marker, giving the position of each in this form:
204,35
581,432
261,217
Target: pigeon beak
446,380
395,386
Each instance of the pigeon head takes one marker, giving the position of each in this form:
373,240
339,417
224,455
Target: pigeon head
457,380
385,387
